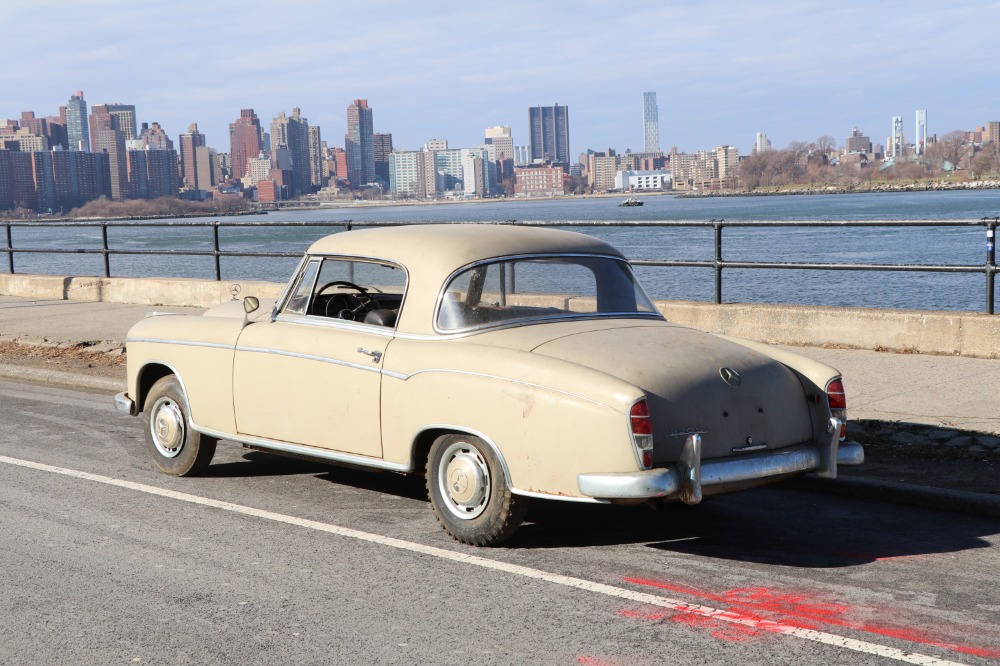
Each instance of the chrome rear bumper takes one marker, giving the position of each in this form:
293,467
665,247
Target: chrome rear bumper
689,477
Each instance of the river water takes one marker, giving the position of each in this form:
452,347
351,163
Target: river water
866,245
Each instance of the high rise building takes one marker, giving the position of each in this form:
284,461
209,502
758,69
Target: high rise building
407,179
77,129
154,136
650,123
501,145
317,179
106,138
189,143
123,118
502,141
992,133
244,141
382,148
359,143
896,138
858,142
920,139
292,132
549,133
207,170
762,144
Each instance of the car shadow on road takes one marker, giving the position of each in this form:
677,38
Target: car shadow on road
768,526
775,525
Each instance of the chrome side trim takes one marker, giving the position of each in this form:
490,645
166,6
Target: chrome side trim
309,451
125,404
559,498
333,322
183,343
308,357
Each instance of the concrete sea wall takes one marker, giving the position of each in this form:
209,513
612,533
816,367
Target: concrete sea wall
914,331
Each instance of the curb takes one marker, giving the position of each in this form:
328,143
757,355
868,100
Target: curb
57,377
978,504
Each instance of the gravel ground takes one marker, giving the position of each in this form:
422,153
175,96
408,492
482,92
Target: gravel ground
910,453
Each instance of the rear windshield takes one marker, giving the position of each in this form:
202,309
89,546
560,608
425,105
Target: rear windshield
532,288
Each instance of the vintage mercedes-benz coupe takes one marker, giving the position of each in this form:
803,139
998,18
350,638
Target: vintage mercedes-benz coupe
504,363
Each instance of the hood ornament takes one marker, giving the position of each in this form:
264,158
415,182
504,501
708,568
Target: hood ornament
730,376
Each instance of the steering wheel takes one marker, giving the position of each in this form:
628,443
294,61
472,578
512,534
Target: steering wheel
365,303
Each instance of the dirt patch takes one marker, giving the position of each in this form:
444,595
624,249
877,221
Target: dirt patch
98,360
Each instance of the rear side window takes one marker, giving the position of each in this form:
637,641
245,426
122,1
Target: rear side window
531,288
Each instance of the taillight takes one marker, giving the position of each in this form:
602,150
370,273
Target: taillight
838,404
642,432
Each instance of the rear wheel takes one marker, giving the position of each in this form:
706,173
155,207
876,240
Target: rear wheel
469,492
176,448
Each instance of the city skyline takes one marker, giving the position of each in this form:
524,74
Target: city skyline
722,72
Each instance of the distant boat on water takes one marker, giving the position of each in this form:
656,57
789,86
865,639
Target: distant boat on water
631,201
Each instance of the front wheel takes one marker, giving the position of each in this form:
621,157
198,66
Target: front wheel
176,448
469,492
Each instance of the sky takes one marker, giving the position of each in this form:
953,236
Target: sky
722,70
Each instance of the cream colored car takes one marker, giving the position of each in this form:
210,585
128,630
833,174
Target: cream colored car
504,363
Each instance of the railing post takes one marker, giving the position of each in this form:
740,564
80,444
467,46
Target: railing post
215,240
104,248
991,230
10,250
717,225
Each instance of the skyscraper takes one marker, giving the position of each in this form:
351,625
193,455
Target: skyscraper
106,138
190,141
921,136
244,141
359,143
549,133
650,123
77,129
896,138
292,132
382,147
123,117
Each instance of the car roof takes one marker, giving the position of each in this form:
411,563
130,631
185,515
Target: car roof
430,253
456,245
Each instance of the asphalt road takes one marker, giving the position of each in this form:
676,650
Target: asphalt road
272,560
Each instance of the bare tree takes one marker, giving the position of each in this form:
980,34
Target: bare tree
826,144
948,149
987,160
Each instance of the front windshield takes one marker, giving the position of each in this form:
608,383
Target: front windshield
531,288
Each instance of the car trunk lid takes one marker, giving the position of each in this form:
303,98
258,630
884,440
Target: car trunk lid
738,399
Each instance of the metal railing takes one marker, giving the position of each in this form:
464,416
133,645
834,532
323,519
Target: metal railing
718,264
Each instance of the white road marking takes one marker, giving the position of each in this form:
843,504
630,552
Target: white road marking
514,569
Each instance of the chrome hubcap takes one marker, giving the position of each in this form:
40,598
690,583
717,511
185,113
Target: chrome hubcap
464,480
167,427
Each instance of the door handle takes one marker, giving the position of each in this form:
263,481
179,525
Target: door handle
376,355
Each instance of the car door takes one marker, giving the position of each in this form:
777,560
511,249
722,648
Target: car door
312,376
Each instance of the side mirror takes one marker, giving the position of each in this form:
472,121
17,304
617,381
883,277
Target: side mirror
250,305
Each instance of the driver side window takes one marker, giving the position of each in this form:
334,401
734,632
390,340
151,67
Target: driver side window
366,292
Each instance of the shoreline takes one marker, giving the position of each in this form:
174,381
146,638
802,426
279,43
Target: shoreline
881,188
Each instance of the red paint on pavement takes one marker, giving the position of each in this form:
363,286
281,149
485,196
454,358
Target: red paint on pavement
794,610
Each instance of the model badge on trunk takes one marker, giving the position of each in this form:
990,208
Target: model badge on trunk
730,376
